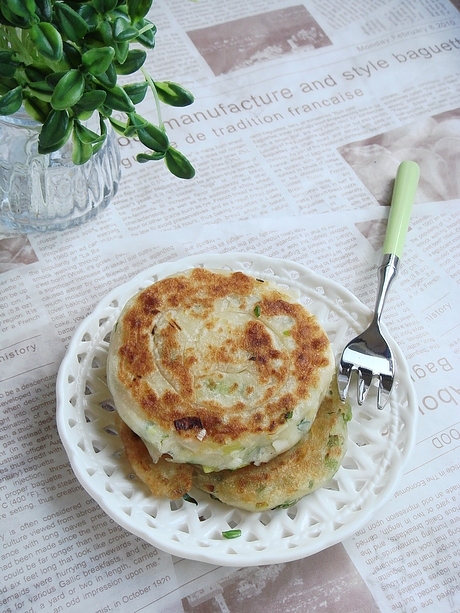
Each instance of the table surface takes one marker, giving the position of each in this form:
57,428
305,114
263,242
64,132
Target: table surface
302,115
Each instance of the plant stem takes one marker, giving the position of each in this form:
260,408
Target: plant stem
146,28
18,40
149,80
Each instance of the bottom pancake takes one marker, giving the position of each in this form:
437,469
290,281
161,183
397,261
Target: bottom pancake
309,465
281,482
165,479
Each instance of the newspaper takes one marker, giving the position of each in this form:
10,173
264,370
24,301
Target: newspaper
302,114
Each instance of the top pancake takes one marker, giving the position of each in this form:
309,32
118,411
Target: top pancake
218,368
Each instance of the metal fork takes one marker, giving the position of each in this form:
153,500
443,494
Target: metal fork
369,353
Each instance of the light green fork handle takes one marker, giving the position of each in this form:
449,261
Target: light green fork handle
404,190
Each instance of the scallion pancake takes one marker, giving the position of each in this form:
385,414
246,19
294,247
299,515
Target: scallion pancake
281,482
309,465
218,368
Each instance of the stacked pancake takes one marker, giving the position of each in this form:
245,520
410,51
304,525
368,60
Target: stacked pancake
223,382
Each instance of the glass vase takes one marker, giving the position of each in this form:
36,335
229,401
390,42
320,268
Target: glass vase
48,192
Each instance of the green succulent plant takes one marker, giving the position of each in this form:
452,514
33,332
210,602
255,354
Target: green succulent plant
61,61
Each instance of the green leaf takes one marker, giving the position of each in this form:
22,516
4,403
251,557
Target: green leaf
53,78
68,91
81,152
123,31
147,38
135,122
149,157
11,102
105,111
85,135
108,79
41,90
11,19
80,114
153,138
118,126
90,101
121,51
7,64
104,6
120,11
178,164
89,14
118,100
133,62
173,93
71,55
22,8
98,61
47,40
138,9
98,144
136,91
36,73
55,132
44,10
72,25
106,33
7,85
36,108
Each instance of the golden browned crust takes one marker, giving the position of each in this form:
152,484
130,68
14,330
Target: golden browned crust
151,341
306,467
165,479
309,465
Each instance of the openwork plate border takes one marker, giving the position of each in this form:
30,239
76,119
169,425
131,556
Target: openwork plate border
379,441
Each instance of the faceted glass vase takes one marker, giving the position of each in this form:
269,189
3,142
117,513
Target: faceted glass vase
49,192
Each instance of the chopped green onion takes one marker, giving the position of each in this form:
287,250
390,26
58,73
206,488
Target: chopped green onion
347,415
231,534
331,464
188,498
286,505
333,440
257,310
287,333
303,425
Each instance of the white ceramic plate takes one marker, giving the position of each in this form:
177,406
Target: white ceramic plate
379,441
